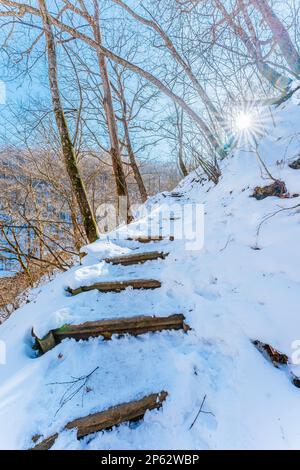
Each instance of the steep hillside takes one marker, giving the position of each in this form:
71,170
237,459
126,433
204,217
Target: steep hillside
243,285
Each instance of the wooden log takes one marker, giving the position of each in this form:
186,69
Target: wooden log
47,443
106,328
148,239
117,414
117,286
136,258
113,416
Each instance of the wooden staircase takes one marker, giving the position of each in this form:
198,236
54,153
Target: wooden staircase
136,325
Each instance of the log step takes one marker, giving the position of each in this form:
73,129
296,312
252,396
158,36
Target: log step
136,258
113,416
148,239
120,326
117,286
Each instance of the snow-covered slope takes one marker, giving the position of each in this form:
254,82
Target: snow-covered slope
230,292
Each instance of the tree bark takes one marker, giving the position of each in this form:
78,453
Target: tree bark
136,172
68,151
181,163
280,35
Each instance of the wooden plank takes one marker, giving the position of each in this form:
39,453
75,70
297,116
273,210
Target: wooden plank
117,414
47,443
135,326
113,416
148,239
136,258
117,286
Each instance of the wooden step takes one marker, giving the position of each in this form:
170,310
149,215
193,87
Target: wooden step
119,326
113,416
136,258
148,239
117,286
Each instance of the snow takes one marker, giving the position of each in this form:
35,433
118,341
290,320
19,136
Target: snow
6,273
230,294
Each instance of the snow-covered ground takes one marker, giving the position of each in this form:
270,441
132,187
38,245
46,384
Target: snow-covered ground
6,273
230,291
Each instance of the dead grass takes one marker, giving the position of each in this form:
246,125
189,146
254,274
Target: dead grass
14,291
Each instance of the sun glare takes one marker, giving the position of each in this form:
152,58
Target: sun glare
246,122
243,121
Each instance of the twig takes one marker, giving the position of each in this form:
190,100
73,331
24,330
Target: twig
269,216
229,240
201,411
70,393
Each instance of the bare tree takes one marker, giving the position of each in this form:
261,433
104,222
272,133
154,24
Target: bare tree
68,151
252,44
125,118
280,35
177,56
20,9
121,184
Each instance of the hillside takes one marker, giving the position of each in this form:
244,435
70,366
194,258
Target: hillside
243,285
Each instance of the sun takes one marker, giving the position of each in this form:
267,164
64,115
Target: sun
243,121
246,122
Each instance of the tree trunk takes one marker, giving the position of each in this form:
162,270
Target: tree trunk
136,172
181,163
280,35
115,152
68,151
276,79
77,238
